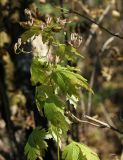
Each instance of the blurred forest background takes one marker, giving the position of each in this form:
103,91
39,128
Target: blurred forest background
102,66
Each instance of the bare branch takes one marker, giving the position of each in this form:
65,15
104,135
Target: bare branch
104,47
94,122
97,121
98,24
106,114
89,39
90,94
77,120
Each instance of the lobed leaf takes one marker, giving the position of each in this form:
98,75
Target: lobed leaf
68,80
39,71
71,152
77,151
56,134
44,93
30,33
36,144
56,116
68,52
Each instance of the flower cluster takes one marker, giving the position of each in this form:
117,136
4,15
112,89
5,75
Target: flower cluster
75,40
30,21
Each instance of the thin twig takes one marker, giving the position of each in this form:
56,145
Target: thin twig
90,94
106,114
97,121
104,125
98,24
87,43
75,119
104,47
94,22
89,39
94,122
106,44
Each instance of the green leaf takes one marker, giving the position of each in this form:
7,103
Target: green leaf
74,51
74,78
71,152
68,80
47,35
87,152
56,116
77,151
29,33
45,8
56,133
67,51
73,100
36,144
71,53
46,93
56,100
40,105
39,71
43,92
63,82
61,50
58,79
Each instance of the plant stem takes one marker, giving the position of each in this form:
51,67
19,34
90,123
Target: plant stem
58,155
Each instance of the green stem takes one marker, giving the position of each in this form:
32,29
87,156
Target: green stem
58,151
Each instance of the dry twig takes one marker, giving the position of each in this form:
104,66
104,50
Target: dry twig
92,121
98,24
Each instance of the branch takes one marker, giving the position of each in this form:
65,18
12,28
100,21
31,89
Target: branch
106,114
94,122
87,43
62,10
103,124
104,47
75,119
90,94
98,24
99,21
